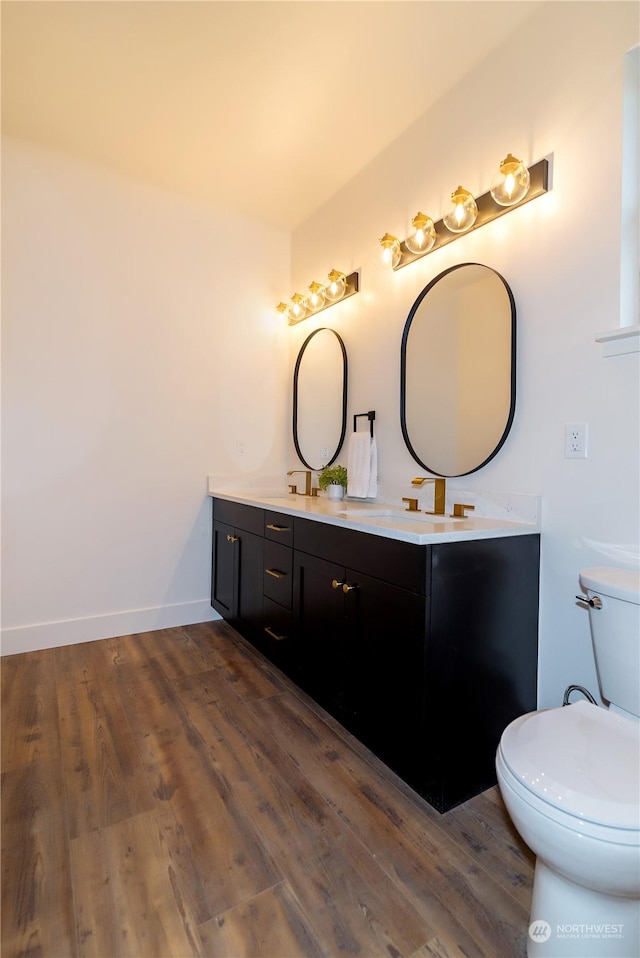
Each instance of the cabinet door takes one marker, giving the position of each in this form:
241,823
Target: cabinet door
319,627
386,667
224,570
236,577
483,654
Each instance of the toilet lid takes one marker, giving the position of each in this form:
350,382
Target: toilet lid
582,759
616,583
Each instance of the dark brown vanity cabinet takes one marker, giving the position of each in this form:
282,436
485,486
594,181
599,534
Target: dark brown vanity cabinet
425,653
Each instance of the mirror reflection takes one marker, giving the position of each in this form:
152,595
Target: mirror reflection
458,370
320,398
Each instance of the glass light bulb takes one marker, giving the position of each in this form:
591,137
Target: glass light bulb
298,308
424,234
388,253
511,182
336,287
316,298
461,213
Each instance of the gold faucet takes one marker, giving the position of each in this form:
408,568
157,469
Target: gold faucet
459,510
308,490
439,493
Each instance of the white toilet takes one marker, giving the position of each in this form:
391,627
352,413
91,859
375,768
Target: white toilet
570,779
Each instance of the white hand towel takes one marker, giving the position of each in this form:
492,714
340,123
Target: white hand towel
362,466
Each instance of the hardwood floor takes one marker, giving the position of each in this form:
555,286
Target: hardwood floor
172,794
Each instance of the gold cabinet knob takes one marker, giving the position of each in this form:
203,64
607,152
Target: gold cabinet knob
232,538
335,584
348,588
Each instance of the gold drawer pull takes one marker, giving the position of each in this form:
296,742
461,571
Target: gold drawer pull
273,635
232,538
278,528
276,573
337,584
348,588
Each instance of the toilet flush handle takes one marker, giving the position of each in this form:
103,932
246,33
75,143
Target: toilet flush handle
595,603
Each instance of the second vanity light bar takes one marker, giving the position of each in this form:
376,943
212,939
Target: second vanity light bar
487,210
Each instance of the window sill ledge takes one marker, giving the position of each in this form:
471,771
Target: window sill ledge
617,342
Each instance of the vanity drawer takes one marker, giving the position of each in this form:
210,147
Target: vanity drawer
279,528
278,573
398,563
238,515
277,624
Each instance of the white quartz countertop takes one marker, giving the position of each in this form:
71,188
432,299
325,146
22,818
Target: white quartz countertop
380,519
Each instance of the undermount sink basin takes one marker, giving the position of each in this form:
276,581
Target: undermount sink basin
363,511
426,517
395,515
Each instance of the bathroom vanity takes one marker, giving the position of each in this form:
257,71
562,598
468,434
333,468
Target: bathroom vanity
420,637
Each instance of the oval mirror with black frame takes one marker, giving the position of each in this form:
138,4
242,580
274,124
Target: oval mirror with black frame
320,398
458,370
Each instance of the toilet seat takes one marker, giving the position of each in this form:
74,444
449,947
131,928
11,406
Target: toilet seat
581,761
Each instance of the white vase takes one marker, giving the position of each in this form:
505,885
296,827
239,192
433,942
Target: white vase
335,491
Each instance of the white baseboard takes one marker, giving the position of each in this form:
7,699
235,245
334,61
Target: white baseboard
48,635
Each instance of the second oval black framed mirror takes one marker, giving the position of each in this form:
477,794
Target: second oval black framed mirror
320,399
458,370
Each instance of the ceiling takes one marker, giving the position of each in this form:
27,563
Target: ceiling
264,108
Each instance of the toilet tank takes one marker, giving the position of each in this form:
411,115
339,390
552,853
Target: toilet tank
615,632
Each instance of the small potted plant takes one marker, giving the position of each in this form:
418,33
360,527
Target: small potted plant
333,479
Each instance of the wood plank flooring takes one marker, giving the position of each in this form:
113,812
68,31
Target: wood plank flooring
172,794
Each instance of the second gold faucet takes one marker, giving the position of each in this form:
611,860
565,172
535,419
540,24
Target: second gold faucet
439,493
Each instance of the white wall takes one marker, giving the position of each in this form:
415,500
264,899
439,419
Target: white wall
139,348
555,89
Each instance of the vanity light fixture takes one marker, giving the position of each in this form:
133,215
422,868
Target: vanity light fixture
316,297
298,309
462,211
511,182
423,236
338,286
388,254
468,213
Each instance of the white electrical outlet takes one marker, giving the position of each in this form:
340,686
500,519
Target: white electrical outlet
575,440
